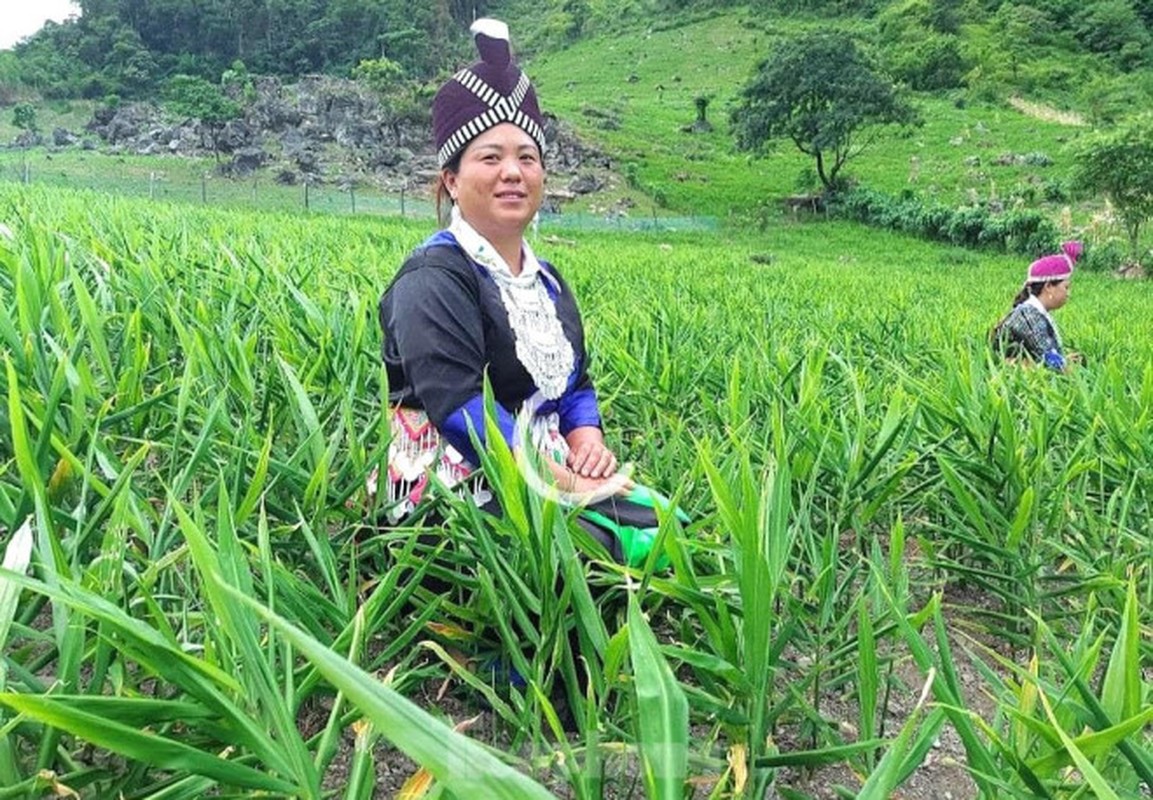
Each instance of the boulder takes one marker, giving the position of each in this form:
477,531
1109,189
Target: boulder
62,137
248,159
585,183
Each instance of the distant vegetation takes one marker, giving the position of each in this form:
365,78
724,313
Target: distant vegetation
631,77
1097,53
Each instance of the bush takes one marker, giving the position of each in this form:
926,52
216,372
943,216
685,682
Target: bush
933,63
1055,191
1027,232
1104,257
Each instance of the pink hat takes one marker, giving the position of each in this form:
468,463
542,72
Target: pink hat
1057,267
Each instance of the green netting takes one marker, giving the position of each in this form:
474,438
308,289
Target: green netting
263,193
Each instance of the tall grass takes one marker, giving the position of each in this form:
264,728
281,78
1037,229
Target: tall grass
193,401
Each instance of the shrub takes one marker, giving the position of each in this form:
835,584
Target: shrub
1023,231
1104,256
1055,191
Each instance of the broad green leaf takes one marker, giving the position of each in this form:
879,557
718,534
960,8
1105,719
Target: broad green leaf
466,768
663,712
141,746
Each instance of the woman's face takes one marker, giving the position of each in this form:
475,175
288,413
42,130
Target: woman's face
500,182
1055,295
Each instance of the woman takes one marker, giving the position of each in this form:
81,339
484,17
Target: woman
1028,330
474,301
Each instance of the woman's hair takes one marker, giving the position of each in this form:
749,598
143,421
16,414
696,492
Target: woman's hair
1033,288
440,191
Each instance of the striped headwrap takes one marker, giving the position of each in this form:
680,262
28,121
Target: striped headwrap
491,91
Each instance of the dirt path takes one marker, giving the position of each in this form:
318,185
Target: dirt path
1047,113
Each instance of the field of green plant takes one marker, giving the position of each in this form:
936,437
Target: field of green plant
893,538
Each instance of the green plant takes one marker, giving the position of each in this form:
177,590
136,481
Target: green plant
820,92
1119,164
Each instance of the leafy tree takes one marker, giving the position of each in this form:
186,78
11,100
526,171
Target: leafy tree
1018,29
24,117
931,63
402,101
1109,99
945,16
191,96
9,77
1118,163
819,91
237,82
1113,29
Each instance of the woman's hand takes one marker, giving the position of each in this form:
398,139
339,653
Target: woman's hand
569,482
588,457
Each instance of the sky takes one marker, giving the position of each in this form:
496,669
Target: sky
20,18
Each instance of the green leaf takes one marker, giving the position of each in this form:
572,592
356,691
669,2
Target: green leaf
463,766
663,712
144,747
1121,689
1094,778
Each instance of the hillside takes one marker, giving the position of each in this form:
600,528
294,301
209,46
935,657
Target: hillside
633,94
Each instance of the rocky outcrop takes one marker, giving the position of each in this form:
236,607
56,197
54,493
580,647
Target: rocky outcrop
319,129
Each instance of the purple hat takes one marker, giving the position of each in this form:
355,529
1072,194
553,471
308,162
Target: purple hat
491,91
1057,267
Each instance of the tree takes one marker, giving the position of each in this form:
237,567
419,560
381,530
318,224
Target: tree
1018,31
190,96
24,117
1113,29
402,101
819,91
1118,163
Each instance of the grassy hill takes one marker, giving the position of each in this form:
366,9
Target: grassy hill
633,93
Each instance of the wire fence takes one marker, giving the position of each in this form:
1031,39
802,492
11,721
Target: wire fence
258,191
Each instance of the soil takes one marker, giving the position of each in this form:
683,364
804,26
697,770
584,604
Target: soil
942,775
1047,113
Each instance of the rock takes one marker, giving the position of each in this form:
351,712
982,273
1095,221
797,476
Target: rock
62,137
286,177
390,157
307,161
235,135
1131,271
325,126
585,184
248,159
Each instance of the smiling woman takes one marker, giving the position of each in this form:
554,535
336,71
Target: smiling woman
20,20
474,303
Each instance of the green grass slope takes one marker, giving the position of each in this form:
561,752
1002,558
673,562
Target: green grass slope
633,93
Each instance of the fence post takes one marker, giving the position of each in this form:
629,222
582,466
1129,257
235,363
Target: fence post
402,199
306,194
151,185
352,197
204,187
